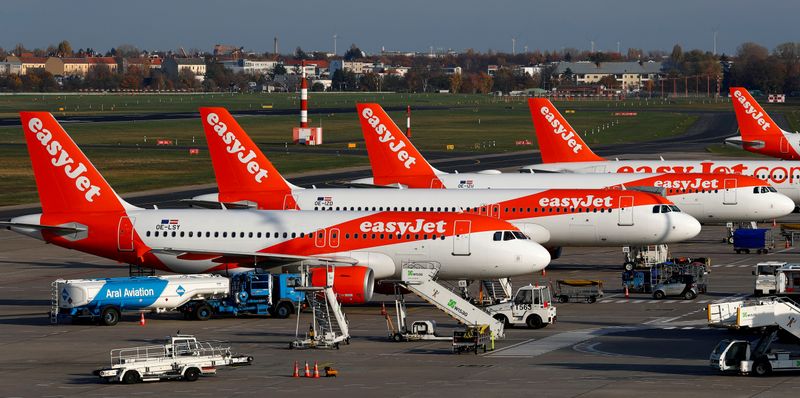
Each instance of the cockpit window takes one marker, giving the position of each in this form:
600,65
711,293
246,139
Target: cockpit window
675,208
508,235
772,189
520,235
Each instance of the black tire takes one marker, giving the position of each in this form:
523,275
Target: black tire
746,251
563,298
730,240
502,318
738,251
109,316
283,310
658,295
202,312
534,322
191,374
131,377
397,337
761,368
690,295
628,266
591,299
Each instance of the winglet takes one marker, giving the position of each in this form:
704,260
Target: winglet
66,179
558,141
243,172
393,157
754,123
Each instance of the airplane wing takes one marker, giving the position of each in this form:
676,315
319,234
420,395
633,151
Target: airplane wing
209,204
60,229
256,258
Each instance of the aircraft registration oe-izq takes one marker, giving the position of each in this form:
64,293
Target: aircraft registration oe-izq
81,211
705,196
558,217
759,133
563,150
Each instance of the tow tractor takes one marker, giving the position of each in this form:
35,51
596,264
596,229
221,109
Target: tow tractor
763,355
181,357
532,307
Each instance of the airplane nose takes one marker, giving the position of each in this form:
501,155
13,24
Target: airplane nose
781,205
683,227
536,256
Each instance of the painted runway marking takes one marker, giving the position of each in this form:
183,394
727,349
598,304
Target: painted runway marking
547,344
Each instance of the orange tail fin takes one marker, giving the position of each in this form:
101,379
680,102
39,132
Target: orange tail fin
66,179
558,141
754,122
393,157
241,169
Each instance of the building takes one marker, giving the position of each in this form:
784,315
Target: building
357,67
314,67
10,68
174,66
141,63
77,66
451,70
630,75
530,70
27,63
250,66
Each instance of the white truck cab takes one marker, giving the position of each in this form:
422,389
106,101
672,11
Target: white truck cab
765,273
532,306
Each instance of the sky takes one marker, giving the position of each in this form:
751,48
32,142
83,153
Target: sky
411,25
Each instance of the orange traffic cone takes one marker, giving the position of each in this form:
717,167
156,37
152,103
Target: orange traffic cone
316,370
774,223
626,291
141,320
788,244
296,370
544,271
308,372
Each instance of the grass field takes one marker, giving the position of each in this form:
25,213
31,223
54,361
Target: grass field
470,123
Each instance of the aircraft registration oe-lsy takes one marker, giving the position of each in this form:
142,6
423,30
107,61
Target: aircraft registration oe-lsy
558,217
81,211
707,197
563,150
759,133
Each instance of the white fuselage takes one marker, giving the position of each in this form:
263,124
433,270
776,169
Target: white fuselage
783,175
470,255
521,207
737,204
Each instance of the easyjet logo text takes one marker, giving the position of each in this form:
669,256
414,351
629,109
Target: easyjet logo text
752,110
235,147
401,227
697,183
62,159
386,137
560,130
587,201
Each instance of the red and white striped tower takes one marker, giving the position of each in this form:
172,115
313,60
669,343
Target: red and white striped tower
408,122
303,98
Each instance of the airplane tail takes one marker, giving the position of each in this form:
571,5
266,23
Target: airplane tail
558,141
393,157
67,181
242,171
754,123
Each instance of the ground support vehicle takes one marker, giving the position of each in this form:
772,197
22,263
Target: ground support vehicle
790,232
766,281
252,293
419,330
644,256
765,354
532,306
472,339
181,357
759,240
678,285
578,290
644,281
329,326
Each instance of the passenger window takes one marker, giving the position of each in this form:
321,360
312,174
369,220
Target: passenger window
190,233
249,234
216,234
173,234
156,234
147,234
285,234
224,234
294,235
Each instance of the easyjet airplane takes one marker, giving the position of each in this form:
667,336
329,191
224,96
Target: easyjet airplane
81,211
706,197
563,150
246,177
759,133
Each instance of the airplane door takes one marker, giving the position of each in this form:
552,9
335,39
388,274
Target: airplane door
625,210
461,235
495,211
784,145
319,238
729,194
333,237
125,234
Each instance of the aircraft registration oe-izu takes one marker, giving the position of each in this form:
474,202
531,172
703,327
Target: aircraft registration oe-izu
557,217
759,133
81,211
563,150
705,196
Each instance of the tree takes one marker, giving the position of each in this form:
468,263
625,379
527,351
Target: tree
279,70
317,86
343,80
64,49
19,49
353,53
300,54
609,82
127,51
484,83
132,79
456,82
